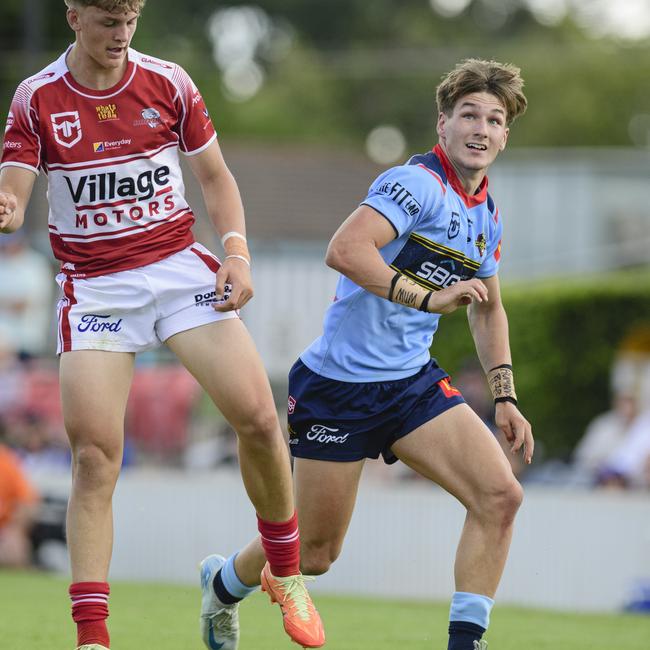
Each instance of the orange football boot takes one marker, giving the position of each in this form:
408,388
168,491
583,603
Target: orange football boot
299,616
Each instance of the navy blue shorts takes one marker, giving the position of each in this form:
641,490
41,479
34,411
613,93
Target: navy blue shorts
346,421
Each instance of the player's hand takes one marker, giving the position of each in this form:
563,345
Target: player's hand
8,205
237,274
461,293
516,428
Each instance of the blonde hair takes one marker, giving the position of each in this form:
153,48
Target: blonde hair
114,6
503,80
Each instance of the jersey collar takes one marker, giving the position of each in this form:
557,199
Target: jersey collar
470,200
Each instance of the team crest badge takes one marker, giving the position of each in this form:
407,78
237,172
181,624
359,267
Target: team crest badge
291,407
67,128
454,225
481,244
151,116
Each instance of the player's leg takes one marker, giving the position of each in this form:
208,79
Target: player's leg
94,391
224,360
458,452
326,493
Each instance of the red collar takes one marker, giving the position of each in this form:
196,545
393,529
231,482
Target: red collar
470,200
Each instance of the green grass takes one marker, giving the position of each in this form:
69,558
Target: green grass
34,615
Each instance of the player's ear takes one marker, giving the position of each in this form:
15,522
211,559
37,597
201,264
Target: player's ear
440,125
74,19
506,133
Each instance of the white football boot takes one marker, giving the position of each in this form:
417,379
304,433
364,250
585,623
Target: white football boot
219,622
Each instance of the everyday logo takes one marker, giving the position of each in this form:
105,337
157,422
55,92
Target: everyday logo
107,145
67,128
99,323
323,434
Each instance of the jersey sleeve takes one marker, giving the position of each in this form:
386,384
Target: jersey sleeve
490,265
403,195
22,144
194,126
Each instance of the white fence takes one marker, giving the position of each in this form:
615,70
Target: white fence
572,550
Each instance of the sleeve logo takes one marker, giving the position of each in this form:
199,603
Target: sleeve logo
400,195
67,128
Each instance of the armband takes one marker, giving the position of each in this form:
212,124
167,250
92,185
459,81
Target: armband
408,293
502,384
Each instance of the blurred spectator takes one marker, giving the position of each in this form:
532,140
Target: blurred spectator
629,465
12,378
604,434
18,510
42,450
26,297
615,450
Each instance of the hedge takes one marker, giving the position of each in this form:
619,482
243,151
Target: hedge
563,337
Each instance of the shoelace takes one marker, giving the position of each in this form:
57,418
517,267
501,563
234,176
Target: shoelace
480,645
226,620
294,590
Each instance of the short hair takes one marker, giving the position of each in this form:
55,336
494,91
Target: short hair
114,6
503,80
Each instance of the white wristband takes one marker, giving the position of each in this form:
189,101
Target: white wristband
232,233
239,257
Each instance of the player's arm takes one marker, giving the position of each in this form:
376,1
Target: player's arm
224,206
354,252
16,184
489,326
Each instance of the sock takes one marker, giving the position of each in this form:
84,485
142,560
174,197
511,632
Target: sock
281,542
462,635
469,617
227,585
90,611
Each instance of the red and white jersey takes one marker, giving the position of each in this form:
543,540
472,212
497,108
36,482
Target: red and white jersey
115,191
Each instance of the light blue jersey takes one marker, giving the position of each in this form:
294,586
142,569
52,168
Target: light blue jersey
443,235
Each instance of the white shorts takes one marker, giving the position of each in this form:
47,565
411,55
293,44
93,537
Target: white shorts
135,310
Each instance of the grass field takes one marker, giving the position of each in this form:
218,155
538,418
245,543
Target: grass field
34,615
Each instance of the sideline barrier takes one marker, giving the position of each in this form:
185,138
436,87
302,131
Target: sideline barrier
573,550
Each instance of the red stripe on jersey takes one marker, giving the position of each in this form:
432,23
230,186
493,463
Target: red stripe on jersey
108,162
497,252
211,262
426,169
66,332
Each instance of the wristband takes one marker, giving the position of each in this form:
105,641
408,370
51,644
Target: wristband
502,384
235,245
232,233
238,257
408,293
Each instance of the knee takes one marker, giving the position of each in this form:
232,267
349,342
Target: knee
317,558
260,427
96,466
501,503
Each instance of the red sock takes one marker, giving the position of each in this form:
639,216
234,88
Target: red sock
90,611
281,542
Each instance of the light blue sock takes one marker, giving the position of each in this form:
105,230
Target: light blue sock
473,608
231,580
